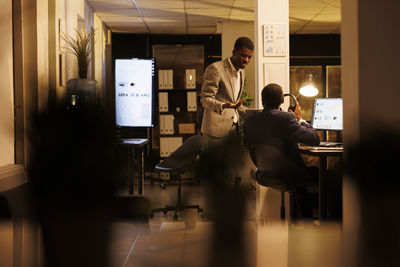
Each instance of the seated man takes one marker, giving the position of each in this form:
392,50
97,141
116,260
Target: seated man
272,137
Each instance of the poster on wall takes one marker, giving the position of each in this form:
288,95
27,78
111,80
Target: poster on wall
134,81
274,36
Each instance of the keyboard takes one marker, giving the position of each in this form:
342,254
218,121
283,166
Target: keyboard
330,144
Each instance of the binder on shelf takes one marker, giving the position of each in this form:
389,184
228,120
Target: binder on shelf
161,79
190,78
175,143
168,145
163,101
170,79
169,124
163,146
162,124
191,101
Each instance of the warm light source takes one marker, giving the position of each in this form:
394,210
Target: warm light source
308,88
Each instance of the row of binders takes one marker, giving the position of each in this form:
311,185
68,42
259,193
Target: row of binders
168,145
167,124
191,101
166,79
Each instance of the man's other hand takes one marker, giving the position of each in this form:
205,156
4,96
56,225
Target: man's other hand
231,105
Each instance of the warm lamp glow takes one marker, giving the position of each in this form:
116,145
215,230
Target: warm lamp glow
308,90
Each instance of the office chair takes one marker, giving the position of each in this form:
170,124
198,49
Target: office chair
177,163
269,161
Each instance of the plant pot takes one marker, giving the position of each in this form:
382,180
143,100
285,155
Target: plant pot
80,91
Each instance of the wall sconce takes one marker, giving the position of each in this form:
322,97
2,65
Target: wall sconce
308,88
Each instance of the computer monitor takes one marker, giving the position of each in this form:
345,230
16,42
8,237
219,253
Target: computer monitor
327,114
134,92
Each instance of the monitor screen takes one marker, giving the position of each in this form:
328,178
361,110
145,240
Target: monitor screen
134,92
327,114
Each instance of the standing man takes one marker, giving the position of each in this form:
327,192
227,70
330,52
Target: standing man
221,93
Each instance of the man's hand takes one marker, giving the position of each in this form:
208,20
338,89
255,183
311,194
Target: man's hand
231,105
297,112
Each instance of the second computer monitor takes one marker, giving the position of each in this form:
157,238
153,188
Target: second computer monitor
328,114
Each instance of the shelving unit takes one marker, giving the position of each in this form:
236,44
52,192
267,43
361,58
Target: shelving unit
180,70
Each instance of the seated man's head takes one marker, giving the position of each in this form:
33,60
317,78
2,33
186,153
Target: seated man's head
272,96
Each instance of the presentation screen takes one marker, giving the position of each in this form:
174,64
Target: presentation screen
134,94
328,114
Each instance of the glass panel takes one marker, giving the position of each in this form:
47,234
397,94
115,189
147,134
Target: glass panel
333,89
333,81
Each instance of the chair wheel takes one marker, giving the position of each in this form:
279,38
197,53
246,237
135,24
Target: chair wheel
162,185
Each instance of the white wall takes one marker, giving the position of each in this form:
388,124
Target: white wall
271,12
100,56
43,53
6,85
73,15
230,32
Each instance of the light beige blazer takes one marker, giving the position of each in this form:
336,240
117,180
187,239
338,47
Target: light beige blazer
217,88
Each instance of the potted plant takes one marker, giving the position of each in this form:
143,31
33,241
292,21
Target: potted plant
81,89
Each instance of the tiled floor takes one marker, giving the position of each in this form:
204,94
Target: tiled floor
165,242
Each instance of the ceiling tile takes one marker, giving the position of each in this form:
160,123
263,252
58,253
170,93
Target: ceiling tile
241,15
210,12
159,4
244,3
304,10
152,13
207,4
121,15
331,10
202,30
306,3
165,20
327,18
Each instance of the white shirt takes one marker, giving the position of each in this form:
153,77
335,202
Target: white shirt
236,85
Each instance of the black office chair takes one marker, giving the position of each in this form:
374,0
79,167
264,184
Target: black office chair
271,172
178,162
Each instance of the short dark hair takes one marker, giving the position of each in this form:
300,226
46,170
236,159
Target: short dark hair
243,42
272,95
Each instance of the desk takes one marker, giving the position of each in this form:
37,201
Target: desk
322,153
137,146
